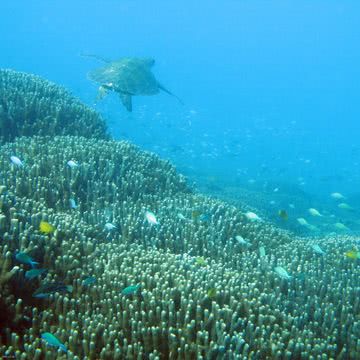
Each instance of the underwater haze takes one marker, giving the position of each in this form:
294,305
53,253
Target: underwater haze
179,180
270,90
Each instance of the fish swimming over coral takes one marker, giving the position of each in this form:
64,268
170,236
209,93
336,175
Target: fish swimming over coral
16,161
353,254
151,218
47,289
33,273
282,273
127,76
24,258
52,340
109,227
90,280
283,214
252,216
130,290
46,228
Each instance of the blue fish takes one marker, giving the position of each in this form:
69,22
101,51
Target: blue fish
130,290
205,217
72,203
52,340
89,281
25,259
47,289
33,273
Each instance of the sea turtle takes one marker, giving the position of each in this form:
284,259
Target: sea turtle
128,76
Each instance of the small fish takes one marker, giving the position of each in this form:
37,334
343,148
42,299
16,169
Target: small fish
242,241
262,252
302,221
52,340
282,273
16,161
130,290
283,214
205,217
33,273
195,214
337,196
345,206
89,281
72,164
317,249
46,227
24,258
353,254
109,227
341,226
47,289
200,261
211,293
314,212
181,216
72,203
151,218
252,216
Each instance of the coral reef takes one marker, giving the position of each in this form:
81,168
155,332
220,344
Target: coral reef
201,294
31,105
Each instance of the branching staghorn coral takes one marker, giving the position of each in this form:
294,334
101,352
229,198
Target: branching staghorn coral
31,105
253,313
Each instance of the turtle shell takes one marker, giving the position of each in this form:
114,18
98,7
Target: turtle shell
131,76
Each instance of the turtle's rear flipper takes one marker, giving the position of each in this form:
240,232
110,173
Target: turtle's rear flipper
126,100
170,93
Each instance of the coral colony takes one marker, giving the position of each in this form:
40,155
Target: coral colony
157,286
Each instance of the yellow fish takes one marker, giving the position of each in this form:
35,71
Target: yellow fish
195,214
211,293
46,228
353,254
283,214
200,261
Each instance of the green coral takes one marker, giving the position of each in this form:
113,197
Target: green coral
254,315
31,105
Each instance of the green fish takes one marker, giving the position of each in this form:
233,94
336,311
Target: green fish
90,280
283,214
130,290
52,340
47,289
211,293
33,273
25,259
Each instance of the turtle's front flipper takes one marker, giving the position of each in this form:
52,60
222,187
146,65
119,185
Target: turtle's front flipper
170,93
102,92
126,100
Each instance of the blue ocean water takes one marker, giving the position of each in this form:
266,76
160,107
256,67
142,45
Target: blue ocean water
270,89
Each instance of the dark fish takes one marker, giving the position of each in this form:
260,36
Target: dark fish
89,281
205,217
33,273
47,289
24,258
195,214
283,214
130,290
